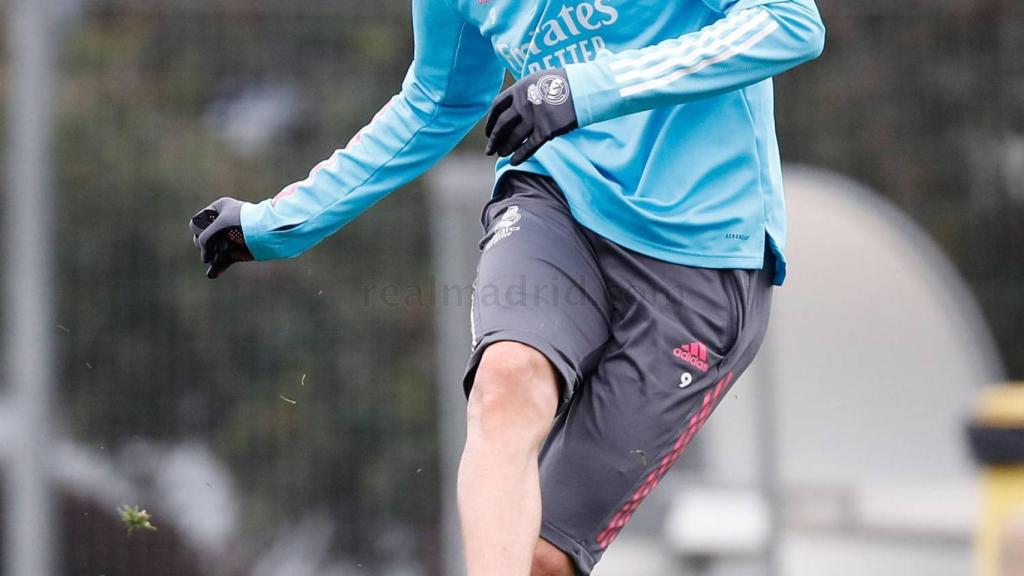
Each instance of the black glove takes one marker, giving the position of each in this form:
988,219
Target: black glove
531,112
217,232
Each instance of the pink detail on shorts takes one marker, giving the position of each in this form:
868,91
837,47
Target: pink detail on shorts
697,420
695,355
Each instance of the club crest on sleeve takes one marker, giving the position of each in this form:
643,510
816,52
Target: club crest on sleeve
551,89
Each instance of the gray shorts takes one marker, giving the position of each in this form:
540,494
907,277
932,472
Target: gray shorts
645,349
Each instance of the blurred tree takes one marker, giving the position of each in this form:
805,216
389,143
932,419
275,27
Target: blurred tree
924,101
319,397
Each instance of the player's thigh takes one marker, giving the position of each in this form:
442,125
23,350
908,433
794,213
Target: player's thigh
670,359
538,283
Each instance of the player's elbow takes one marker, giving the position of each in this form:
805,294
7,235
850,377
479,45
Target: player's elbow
810,31
814,40
802,28
428,101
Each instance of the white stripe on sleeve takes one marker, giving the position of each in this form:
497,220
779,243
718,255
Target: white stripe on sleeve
707,37
692,57
730,53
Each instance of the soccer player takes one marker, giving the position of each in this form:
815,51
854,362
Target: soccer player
638,193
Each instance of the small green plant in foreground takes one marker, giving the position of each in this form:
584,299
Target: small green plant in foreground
135,519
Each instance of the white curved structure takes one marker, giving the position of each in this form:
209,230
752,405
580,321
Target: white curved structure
876,343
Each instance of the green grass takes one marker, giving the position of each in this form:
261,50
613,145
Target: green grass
135,519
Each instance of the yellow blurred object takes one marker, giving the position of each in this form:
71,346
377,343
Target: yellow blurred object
997,437
1002,407
1000,534
1013,547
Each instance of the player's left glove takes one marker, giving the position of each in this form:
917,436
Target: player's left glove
217,232
530,113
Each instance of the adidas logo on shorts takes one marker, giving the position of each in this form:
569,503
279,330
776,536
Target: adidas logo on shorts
695,355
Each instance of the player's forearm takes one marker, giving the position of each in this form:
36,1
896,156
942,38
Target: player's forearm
405,139
752,42
452,80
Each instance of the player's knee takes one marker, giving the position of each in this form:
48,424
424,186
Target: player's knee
516,386
550,561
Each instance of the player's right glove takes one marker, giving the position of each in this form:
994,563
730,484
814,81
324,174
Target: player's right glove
529,114
217,233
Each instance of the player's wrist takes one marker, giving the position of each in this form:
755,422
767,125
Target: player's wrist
249,219
578,78
217,233
533,111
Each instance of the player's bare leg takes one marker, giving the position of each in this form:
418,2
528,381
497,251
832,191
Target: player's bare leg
550,561
511,410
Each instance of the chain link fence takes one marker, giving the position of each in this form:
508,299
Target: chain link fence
924,101
311,400
282,419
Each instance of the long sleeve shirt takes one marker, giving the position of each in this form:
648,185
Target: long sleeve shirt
676,155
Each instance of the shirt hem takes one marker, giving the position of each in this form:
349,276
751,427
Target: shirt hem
674,255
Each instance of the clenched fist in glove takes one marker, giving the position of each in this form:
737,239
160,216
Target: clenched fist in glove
533,111
217,232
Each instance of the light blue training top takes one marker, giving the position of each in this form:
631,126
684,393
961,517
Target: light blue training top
676,156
